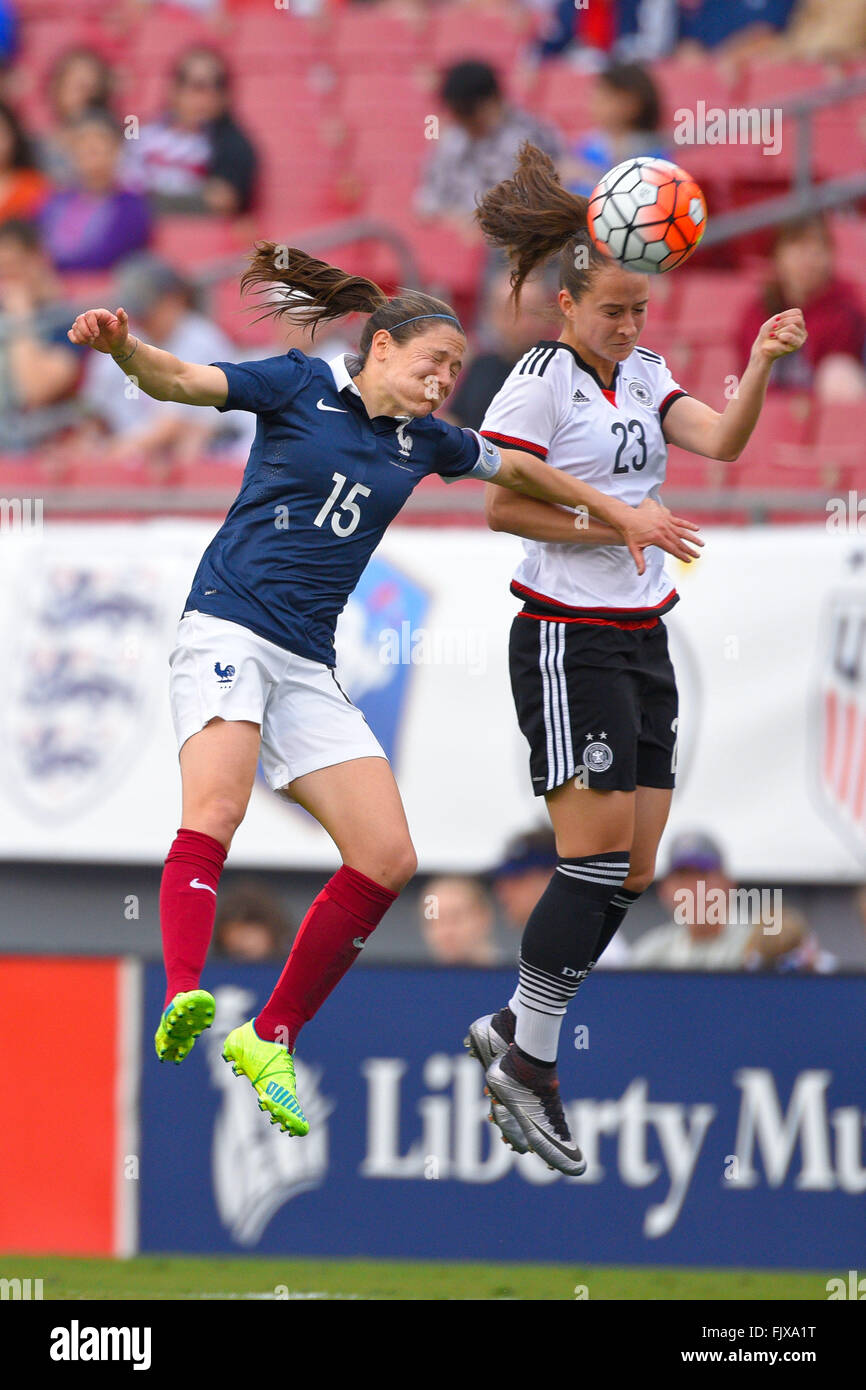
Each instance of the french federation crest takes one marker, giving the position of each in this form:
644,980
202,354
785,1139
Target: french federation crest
841,721
256,1168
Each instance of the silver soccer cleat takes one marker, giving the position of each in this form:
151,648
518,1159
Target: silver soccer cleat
485,1042
532,1099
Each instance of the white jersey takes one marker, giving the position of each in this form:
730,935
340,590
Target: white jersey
553,405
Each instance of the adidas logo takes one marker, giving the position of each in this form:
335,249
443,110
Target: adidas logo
579,398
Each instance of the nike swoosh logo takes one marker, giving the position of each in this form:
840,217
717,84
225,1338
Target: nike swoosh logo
320,405
194,883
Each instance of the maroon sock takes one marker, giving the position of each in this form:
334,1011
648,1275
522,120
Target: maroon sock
329,940
187,907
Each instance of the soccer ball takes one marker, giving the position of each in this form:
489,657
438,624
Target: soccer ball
647,214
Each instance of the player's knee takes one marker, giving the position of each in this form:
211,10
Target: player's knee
219,816
640,877
399,863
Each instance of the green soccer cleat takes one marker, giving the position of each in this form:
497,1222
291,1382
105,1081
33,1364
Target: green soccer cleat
184,1018
271,1069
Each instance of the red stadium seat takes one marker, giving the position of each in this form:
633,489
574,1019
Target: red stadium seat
190,242
203,475
684,84
691,471
712,303
766,83
785,419
87,288
711,373
161,35
839,143
841,423
492,35
269,39
364,35
796,466
563,96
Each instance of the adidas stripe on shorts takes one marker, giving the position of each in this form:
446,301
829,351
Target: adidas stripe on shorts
598,704
220,669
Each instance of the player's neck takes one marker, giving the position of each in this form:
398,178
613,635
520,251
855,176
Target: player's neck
376,401
602,366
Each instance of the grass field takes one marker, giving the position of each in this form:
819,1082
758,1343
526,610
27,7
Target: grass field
176,1277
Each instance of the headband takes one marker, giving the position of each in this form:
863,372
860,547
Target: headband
425,316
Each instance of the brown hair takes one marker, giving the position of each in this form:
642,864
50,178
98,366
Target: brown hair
316,292
250,901
795,230
533,218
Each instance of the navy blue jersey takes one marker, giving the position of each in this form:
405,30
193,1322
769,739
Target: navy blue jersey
322,482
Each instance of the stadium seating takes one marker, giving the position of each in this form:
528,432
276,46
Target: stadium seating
337,105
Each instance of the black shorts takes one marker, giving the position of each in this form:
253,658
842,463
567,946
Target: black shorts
596,704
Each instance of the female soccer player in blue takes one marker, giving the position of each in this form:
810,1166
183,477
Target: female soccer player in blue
339,447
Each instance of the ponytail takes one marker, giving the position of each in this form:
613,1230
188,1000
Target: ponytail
533,218
316,292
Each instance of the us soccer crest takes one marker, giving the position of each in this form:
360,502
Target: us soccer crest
257,1169
841,743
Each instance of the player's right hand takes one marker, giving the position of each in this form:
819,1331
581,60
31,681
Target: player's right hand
652,524
101,329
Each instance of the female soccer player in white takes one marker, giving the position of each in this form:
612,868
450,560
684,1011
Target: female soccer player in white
339,447
593,685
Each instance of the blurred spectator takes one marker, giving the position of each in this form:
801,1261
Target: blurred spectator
80,81
822,29
631,30
160,307
8,33
731,28
196,159
523,875
457,921
503,338
94,223
479,146
690,941
626,111
251,925
23,188
860,903
39,368
831,361
792,949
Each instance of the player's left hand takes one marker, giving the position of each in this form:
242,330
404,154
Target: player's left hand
784,333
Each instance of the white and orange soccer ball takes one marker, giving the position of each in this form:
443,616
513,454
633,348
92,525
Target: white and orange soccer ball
647,214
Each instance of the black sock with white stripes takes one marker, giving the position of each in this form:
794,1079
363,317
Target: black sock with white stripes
613,919
559,947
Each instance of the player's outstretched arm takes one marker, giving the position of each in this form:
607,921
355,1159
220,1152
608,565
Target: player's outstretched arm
693,425
159,374
638,526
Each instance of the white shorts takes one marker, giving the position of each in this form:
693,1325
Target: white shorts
221,670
